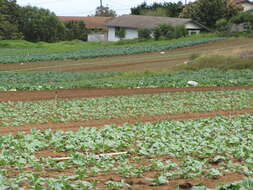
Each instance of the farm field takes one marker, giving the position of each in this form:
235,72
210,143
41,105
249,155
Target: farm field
159,153
203,151
82,53
95,126
149,79
136,63
57,111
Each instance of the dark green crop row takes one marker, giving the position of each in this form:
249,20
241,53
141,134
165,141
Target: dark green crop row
56,80
101,52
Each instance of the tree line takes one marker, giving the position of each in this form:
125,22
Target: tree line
36,24
206,12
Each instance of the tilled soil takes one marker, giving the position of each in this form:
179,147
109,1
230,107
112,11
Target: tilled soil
75,126
101,92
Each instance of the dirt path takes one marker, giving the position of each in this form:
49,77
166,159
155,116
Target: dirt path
75,126
100,92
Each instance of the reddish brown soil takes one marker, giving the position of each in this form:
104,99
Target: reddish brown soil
172,185
75,126
112,67
90,93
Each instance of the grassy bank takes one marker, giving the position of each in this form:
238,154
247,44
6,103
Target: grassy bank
224,62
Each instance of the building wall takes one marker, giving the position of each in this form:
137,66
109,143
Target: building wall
192,28
96,37
133,33
247,6
129,34
111,35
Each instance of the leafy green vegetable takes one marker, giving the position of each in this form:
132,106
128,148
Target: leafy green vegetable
21,113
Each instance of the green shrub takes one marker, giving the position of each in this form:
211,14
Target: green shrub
144,34
222,25
179,31
157,33
166,31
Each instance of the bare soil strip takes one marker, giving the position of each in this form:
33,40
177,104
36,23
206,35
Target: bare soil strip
101,92
75,126
185,184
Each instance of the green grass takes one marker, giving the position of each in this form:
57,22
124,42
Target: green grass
21,113
223,62
148,79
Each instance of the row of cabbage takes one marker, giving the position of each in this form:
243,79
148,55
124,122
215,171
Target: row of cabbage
101,52
21,113
57,80
155,153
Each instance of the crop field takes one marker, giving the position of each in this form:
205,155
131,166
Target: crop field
101,52
21,113
87,124
158,155
136,63
59,80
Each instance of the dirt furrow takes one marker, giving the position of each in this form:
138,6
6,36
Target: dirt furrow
101,92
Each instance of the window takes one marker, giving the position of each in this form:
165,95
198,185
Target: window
120,32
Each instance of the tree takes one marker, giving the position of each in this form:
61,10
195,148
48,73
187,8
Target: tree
245,18
158,9
208,12
76,30
9,11
105,11
40,25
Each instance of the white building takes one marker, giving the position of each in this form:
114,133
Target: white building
132,23
246,4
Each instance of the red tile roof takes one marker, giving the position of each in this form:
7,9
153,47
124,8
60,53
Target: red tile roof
90,22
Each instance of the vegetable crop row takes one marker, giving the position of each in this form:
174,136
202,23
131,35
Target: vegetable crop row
21,113
156,153
56,80
101,52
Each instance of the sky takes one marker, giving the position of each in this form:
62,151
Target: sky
86,7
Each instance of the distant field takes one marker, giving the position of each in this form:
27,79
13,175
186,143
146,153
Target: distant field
15,55
139,62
